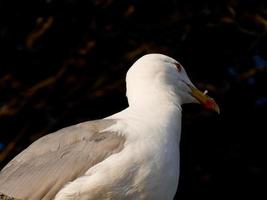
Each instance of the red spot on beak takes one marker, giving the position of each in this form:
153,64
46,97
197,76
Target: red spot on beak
209,104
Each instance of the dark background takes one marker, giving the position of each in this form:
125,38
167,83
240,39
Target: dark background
64,62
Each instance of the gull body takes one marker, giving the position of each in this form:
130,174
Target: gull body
136,151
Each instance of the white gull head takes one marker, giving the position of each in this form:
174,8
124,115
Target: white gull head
159,79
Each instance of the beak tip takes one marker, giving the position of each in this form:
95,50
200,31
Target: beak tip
212,105
205,100
217,109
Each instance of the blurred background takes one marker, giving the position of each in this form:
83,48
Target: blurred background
64,62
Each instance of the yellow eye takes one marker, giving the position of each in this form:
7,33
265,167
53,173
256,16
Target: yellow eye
178,66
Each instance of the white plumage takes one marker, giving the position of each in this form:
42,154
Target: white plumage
136,151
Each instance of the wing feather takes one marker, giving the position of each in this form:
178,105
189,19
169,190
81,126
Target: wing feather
42,169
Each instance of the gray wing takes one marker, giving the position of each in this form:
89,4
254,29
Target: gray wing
42,169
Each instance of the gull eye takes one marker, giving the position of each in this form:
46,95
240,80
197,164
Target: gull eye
178,66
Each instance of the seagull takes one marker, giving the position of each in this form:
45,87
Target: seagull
133,154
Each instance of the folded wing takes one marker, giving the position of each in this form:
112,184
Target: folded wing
42,169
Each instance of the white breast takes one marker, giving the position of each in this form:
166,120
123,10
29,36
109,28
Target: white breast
154,155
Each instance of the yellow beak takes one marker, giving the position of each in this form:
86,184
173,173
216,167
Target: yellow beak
205,100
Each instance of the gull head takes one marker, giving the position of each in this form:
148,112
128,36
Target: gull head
157,79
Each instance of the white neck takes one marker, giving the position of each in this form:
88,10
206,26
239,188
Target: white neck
162,121
144,95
